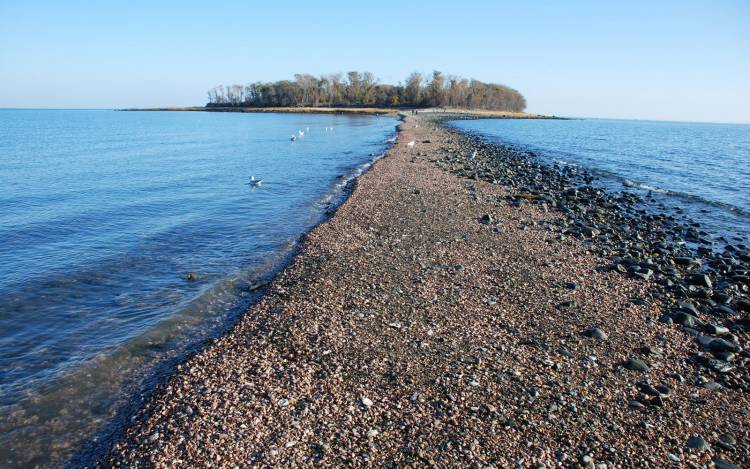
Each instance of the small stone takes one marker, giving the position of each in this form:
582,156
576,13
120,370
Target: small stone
728,439
486,219
372,433
684,319
723,464
367,402
701,280
283,402
636,365
721,345
595,333
697,443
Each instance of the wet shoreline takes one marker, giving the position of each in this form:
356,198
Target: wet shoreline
451,298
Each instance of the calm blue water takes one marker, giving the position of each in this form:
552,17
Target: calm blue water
703,169
102,216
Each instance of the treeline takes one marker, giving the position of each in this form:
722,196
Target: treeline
357,89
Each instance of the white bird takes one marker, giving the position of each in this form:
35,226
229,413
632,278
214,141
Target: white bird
473,155
293,138
301,133
411,144
255,182
307,128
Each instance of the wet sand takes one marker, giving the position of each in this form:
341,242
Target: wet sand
429,322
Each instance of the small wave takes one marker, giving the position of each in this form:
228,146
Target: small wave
638,185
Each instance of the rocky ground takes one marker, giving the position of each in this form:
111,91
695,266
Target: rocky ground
472,309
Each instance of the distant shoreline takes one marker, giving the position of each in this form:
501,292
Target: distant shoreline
471,113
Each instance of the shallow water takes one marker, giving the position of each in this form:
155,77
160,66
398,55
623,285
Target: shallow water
103,216
703,170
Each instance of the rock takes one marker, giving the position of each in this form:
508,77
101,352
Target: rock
713,386
684,319
713,329
742,305
697,443
684,261
634,364
721,345
366,402
723,310
646,388
701,280
595,333
664,390
486,219
688,308
567,304
723,464
372,433
728,438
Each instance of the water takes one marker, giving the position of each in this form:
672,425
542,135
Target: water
102,216
702,170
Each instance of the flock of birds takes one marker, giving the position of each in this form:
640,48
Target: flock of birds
300,133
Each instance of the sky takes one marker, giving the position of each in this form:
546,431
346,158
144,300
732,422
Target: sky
665,60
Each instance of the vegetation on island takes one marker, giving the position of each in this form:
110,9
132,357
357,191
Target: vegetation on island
358,89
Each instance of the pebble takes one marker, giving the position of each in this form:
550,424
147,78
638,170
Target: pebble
697,443
636,365
595,333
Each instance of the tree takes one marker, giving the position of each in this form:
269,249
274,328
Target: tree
363,89
413,89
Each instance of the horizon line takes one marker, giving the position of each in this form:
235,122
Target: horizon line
642,119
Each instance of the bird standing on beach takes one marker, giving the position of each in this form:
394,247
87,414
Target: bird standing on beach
255,182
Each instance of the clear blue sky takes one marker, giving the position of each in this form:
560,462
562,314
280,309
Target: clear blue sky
682,60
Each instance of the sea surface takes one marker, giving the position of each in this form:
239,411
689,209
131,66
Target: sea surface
698,171
129,238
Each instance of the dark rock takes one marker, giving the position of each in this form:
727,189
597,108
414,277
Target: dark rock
697,443
721,345
636,365
701,280
684,319
595,333
486,219
723,464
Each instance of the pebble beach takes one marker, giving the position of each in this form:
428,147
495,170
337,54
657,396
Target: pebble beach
468,306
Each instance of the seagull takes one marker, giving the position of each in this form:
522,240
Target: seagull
301,133
410,144
293,138
255,182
